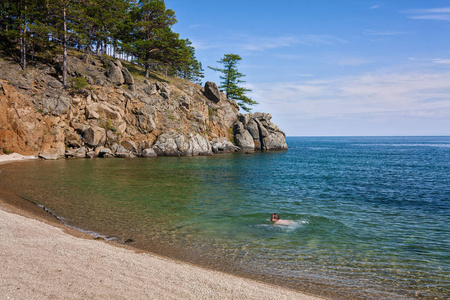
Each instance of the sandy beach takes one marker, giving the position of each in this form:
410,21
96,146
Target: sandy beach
42,259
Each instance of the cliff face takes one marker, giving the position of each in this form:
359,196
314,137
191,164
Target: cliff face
108,113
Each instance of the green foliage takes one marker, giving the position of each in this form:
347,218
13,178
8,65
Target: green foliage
231,136
79,83
109,125
231,79
140,29
6,151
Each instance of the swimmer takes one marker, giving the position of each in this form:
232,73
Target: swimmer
277,221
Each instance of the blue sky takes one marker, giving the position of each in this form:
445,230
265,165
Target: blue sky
332,68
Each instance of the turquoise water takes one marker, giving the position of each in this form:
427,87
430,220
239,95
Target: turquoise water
370,214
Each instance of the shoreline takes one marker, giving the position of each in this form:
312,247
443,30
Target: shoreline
46,259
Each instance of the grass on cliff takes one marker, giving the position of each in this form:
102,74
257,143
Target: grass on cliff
137,71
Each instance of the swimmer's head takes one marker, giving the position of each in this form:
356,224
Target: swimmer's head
275,217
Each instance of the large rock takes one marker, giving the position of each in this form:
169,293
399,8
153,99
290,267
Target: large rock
196,145
168,144
145,118
149,152
222,145
94,136
275,141
115,75
257,132
54,104
212,91
76,153
243,138
254,131
48,156
104,110
174,144
104,152
127,77
129,146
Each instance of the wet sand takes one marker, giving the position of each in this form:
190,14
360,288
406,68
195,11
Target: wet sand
43,259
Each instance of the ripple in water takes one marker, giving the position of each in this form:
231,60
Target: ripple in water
370,214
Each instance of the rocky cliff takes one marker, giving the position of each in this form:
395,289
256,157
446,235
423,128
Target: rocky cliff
110,112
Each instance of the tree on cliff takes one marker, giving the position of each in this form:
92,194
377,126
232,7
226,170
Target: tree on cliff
138,30
150,31
231,79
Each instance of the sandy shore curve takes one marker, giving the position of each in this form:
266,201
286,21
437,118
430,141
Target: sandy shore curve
41,259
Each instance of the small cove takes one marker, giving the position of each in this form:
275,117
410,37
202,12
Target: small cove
371,214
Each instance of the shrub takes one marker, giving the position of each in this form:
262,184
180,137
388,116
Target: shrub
79,83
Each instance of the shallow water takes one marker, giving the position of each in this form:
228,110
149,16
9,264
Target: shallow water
371,214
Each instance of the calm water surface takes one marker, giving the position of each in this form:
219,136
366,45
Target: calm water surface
371,214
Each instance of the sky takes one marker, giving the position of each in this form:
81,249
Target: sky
329,67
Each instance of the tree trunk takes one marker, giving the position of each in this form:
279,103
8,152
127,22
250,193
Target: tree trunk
98,47
65,47
23,32
147,71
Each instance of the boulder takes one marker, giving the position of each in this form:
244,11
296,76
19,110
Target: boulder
105,152
125,155
258,128
130,146
80,128
91,113
76,153
116,149
212,91
151,89
168,144
115,75
196,145
222,145
94,136
54,104
275,141
48,156
243,138
244,118
127,77
145,118
73,144
149,152
254,131
175,144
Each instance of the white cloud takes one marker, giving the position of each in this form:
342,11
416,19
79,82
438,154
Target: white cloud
441,61
261,43
376,6
429,10
438,17
378,93
384,33
198,45
440,14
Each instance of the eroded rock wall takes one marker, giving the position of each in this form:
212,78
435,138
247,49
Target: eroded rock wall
119,116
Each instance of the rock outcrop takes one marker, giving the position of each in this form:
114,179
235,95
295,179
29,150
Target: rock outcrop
113,114
257,132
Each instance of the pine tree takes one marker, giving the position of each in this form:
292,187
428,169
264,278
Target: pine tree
151,31
231,79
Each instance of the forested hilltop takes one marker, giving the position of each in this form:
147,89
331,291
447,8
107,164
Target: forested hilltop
94,78
131,30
